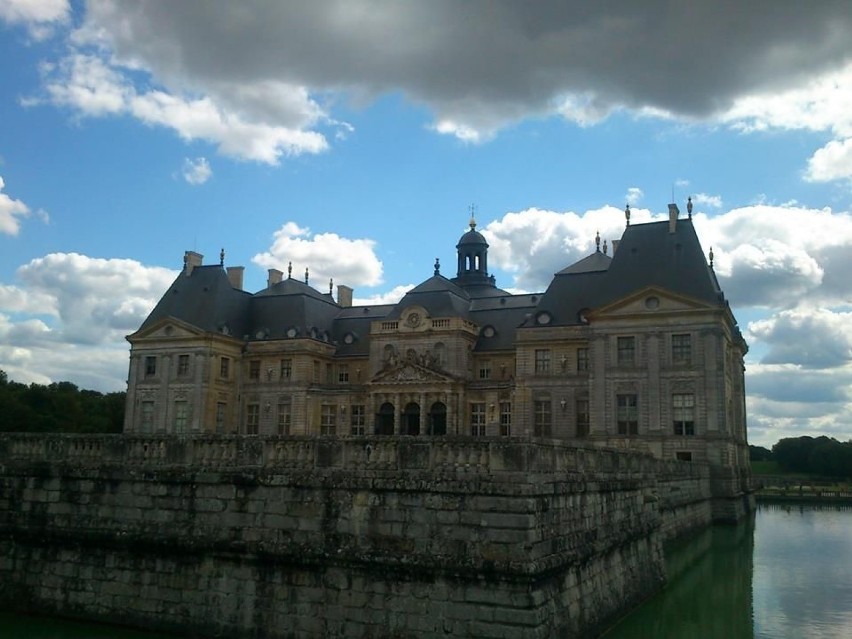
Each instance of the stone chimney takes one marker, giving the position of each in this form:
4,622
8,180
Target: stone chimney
344,296
673,215
191,259
274,277
235,276
615,246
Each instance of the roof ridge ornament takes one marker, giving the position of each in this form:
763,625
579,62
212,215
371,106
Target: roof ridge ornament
472,222
437,266
598,242
627,213
290,271
222,257
689,206
306,275
711,257
330,285
605,248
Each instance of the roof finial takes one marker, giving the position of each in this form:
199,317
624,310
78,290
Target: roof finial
472,217
437,266
598,242
306,275
689,206
330,285
222,257
711,257
627,214
605,249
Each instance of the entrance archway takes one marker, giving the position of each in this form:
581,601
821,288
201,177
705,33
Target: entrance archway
411,419
384,419
438,419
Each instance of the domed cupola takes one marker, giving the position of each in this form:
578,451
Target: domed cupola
473,259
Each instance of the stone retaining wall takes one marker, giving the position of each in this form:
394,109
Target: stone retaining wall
338,538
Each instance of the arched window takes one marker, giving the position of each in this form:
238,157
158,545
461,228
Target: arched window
384,419
437,419
411,419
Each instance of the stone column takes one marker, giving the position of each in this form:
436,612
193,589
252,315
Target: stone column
423,413
199,412
397,414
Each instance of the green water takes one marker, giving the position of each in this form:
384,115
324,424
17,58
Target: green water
786,574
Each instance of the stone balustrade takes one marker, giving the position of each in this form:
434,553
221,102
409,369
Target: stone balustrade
494,457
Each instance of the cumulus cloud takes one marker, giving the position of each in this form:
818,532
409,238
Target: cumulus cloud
480,65
326,255
95,300
68,317
634,195
196,171
93,87
11,212
809,337
780,256
391,297
39,16
711,201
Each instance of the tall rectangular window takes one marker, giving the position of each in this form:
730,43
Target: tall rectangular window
252,419
506,419
542,361
225,367
627,414
626,350
328,419
329,373
181,412
343,373
254,369
542,417
682,349
358,421
284,416
683,413
147,422
477,419
582,359
286,370
183,365
221,408
582,416
150,366
485,369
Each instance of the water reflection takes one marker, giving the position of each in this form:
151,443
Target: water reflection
785,573
708,594
803,573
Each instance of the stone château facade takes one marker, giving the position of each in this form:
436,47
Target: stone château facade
638,349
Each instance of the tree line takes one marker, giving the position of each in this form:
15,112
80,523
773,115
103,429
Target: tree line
824,456
58,407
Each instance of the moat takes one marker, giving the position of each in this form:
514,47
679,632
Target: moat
788,573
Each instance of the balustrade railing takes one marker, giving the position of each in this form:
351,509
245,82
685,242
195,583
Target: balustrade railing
441,456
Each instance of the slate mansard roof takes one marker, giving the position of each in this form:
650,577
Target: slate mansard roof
663,255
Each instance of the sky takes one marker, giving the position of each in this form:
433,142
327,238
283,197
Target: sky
352,138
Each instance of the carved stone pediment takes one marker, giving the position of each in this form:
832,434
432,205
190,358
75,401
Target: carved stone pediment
409,373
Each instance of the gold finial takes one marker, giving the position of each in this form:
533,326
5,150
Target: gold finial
627,214
711,257
222,257
598,241
306,275
689,206
290,270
